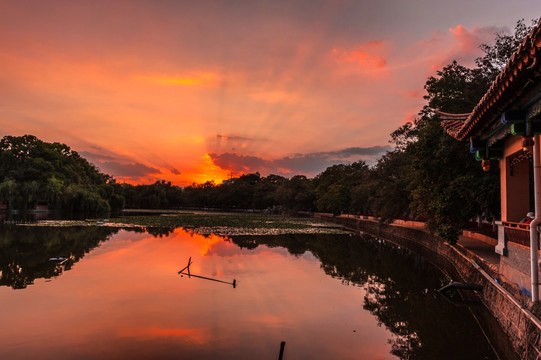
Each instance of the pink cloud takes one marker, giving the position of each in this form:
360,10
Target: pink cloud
439,49
465,44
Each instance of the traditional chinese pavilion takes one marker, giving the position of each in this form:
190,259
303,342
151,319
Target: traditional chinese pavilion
504,128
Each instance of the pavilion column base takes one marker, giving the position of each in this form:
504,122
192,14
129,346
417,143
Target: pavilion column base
501,248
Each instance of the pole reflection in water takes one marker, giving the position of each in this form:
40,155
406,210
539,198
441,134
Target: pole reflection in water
328,297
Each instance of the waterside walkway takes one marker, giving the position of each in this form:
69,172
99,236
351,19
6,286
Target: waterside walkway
478,248
481,249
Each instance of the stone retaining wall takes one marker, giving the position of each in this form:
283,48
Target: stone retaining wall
522,328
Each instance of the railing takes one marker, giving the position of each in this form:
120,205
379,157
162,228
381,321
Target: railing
518,233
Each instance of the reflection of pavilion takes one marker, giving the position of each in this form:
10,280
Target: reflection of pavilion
186,271
504,126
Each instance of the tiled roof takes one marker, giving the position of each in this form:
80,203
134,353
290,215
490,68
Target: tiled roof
517,76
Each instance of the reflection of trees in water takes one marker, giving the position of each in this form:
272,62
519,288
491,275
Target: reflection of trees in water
378,300
25,251
400,291
158,231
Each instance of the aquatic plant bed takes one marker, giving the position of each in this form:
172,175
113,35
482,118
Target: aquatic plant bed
206,223
228,224
68,223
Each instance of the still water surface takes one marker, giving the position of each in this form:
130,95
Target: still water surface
119,296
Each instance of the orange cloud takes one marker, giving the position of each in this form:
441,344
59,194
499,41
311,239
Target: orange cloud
366,55
414,94
275,97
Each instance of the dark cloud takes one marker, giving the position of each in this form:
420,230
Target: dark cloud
221,143
100,155
233,137
298,164
240,163
175,171
352,151
127,170
118,165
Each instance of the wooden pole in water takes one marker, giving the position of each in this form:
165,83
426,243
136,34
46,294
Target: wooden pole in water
234,283
187,268
282,346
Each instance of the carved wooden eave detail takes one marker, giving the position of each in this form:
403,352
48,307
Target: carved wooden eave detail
452,123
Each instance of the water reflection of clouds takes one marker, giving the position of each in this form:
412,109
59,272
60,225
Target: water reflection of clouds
197,335
123,239
224,249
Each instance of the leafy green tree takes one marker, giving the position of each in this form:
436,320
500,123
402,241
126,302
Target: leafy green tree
390,185
200,195
296,194
33,170
456,89
447,182
264,196
334,186
497,54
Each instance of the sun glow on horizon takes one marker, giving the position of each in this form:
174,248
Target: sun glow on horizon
201,171
197,79
208,171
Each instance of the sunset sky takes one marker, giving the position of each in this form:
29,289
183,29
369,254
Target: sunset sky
190,91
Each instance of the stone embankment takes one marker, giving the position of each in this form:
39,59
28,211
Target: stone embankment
506,305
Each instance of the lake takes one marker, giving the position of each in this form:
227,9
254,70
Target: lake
109,293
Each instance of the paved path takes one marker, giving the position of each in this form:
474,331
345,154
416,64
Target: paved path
481,249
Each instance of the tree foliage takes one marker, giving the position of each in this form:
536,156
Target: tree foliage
334,186
32,170
497,54
456,88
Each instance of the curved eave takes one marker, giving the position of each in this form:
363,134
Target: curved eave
509,85
452,123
